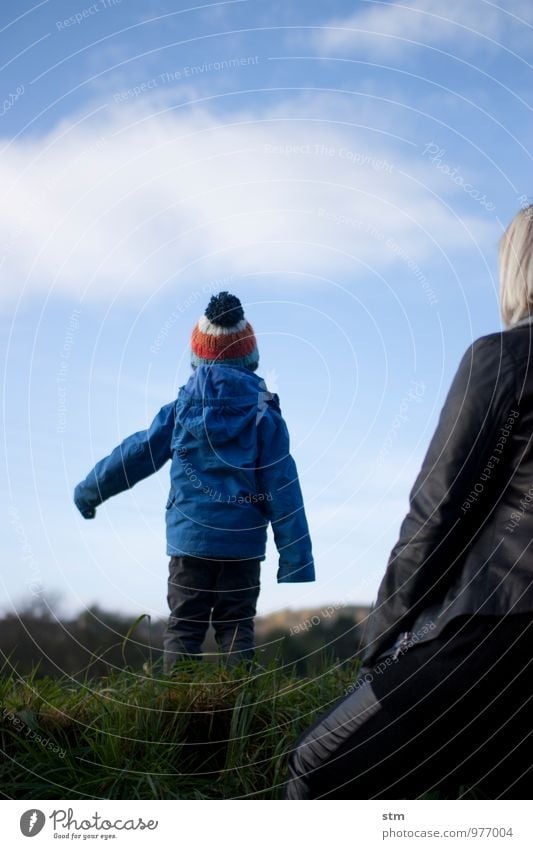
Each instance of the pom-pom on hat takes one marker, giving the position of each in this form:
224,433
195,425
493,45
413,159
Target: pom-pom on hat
222,335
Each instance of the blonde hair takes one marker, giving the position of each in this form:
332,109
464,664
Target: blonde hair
516,268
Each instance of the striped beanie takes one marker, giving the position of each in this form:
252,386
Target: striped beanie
222,335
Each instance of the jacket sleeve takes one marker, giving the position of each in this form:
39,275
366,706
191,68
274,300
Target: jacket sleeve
278,481
445,503
138,456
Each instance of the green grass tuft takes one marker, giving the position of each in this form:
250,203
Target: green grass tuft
207,733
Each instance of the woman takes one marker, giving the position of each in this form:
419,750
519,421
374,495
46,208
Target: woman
444,699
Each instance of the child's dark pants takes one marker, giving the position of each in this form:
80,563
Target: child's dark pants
223,592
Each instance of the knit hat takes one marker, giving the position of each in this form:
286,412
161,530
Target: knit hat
222,335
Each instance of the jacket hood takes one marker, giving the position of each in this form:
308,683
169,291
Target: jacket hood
218,402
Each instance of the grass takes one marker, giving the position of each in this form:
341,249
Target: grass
208,733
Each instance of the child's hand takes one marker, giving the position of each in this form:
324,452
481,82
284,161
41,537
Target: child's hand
85,509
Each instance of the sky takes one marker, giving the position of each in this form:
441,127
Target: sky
346,169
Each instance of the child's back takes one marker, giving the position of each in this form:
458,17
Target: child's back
230,469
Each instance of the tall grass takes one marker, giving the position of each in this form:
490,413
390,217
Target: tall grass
205,733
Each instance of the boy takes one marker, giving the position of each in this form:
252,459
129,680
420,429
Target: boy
231,474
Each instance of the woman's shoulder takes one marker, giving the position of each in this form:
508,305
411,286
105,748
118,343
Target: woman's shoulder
488,365
506,351
502,347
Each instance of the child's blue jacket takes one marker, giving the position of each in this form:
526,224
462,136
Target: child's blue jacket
231,472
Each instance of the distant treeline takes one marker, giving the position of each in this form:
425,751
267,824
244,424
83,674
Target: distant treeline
97,642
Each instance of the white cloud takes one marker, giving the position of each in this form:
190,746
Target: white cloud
387,28
124,201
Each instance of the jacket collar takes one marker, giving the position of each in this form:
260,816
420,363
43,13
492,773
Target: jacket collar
523,321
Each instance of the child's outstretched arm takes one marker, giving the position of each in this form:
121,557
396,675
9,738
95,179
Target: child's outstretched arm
278,480
138,456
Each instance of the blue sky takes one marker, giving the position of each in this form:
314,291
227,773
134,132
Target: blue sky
345,168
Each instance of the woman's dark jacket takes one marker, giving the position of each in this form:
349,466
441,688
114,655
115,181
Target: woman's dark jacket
466,544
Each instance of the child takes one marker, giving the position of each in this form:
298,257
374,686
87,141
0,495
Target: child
231,474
